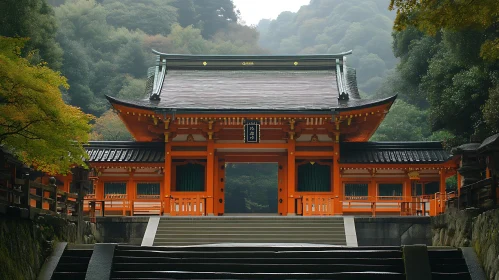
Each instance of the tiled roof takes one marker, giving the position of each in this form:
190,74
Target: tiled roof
252,83
362,152
118,151
393,152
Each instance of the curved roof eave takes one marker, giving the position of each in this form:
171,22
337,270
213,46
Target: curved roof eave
356,105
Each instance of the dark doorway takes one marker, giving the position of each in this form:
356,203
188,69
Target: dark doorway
251,188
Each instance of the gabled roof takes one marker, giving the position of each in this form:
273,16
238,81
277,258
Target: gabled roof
251,83
394,152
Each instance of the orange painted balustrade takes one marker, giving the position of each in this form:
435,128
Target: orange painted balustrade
317,205
187,205
147,205
117,203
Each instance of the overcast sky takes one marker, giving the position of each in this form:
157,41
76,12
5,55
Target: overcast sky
252,11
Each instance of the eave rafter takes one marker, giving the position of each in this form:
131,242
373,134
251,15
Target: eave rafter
355,125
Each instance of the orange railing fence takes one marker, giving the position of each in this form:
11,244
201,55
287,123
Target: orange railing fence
188,205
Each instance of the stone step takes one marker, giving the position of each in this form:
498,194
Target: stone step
71,267
451,276
183,253
193,243
324,261
72,259
226,234
125,275
261,248
250,238
68,276
268,221
261,268
249,229
78,253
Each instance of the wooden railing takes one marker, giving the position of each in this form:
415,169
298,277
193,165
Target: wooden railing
40,198
188,206
317,205
482,194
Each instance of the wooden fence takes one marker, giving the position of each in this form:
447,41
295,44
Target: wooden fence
482,194
39,198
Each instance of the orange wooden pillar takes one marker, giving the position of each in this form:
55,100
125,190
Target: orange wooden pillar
218,194
210,177
442,181
291,181
337,186
167,178
407,189
282,188
130,193
99,190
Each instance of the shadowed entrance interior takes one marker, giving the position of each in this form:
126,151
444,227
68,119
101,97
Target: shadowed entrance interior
251,188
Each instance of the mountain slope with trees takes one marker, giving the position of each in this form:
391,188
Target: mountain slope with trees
326,26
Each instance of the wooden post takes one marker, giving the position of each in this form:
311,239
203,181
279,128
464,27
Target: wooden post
80,178
442,182
167,178
493,190
291,178
210,172
25,199
131,191
53,194
282,196
337,187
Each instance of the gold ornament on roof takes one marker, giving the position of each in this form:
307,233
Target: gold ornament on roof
205,63
296,63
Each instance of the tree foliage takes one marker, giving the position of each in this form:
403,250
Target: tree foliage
32,19
35,123
445,75
454,15
109,127
251,188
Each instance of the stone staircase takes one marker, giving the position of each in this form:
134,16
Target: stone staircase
73,264
263,261
277,262
179,231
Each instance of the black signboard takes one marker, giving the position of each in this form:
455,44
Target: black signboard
251,131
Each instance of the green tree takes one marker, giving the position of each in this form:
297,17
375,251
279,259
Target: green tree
98,56
35,123
214,15
151,16
32,19
454,15
109,127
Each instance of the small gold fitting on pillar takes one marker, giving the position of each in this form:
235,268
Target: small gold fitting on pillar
337,137
292,124
210,125
167,123
167,136
210,135
291,135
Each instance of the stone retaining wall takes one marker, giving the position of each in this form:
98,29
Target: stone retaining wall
467,228
26,243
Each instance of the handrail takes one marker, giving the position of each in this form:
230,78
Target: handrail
479,194
46,198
